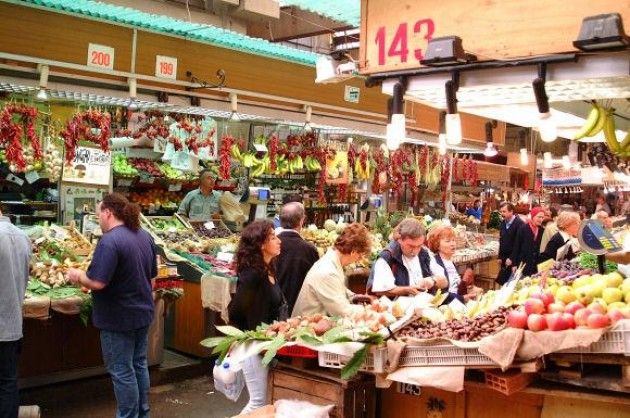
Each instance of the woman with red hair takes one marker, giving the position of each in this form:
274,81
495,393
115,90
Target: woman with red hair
441,242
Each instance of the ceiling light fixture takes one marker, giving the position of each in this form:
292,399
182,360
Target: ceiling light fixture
524,155
453,122
490,150
307,124
42,93
546,125
396,130
446,50
234,117
601,32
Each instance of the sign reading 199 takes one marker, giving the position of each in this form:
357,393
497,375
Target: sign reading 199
399,45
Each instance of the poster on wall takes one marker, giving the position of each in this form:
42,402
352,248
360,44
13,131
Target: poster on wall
78,201
90,166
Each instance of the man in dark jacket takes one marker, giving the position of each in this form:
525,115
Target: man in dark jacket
527,242
296,255
510,224
403,267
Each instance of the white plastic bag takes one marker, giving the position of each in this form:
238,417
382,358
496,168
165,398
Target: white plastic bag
228,382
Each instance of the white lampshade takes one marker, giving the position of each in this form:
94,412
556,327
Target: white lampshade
442,144
547,160
453,129
490,150
566,162
396,131
547,128
524,157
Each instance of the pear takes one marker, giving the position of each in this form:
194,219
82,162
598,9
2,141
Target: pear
625,286
612,295
614,279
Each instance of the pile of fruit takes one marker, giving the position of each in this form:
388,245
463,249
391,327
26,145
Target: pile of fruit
591,301
184,240
566,271
220,266
76,243
219,230
463,329
156,199
372,317
122,168
174,174
148,166
53,272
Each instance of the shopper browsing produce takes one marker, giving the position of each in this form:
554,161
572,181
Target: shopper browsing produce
258,299
297,256
15,255
442,243
324,290
200,204
403,268
527,243
123,264
509,226
476,210
563,245
551,227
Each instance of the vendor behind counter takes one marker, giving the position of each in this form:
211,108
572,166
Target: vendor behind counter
200,204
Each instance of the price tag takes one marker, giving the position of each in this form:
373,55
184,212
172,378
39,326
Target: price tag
100,56
351,94
209,225
125,183
171,230
40,240
165,67
223,256
174,187
31,177
15,179
58,232
260,147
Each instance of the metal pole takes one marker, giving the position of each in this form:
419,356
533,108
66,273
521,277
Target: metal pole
449,193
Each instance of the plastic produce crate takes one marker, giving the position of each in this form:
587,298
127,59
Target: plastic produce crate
297,351
443,355
508,382
375,363
614,341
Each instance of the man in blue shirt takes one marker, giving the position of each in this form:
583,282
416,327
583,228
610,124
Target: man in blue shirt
200,204
123,264
475,211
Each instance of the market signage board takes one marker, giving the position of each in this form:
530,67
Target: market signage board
90,166
100,56
352,94
395,34
165,67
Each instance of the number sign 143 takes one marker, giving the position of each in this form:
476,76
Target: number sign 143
399,44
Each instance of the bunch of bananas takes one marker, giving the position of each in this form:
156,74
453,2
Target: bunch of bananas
312,164
602,119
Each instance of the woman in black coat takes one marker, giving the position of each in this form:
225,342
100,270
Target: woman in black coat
527,243
562,246
258,299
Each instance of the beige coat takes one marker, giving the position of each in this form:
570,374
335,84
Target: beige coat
324,290
550,230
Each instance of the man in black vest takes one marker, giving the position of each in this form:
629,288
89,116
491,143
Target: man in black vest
510,224
296,255
402,268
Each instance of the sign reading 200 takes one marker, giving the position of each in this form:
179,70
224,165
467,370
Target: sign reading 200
399,46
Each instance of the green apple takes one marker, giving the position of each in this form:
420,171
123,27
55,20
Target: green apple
625,286
627,297
614,279
612,295
553,289
581,281
566,295
617,305
598,288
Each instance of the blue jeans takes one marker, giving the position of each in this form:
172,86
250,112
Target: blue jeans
9,399
125,357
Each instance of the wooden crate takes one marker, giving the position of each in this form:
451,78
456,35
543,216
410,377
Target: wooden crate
352,399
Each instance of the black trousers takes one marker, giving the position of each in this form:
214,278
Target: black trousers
9,397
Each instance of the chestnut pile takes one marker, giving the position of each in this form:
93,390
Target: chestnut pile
465,329
219,230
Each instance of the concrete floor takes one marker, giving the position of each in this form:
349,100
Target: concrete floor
192,398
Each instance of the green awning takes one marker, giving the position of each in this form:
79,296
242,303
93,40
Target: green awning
345,11
164,24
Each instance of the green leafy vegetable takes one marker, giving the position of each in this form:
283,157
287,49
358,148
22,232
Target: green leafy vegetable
272,349
230,331
355,363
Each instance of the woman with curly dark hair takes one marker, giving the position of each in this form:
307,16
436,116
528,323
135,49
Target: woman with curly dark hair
258,298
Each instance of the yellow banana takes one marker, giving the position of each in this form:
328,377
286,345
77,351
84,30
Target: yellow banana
235,151
604,114
591,120
610,135
626,142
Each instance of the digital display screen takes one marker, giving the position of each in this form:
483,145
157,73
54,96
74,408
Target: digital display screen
264,194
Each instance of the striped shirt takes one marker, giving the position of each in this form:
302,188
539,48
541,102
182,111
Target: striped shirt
15,254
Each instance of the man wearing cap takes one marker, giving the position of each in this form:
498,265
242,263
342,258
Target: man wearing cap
527,243
200,204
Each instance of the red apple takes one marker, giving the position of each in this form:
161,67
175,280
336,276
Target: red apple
555,321
570,321
517,319
536,322
596,307
615,315
534,306
555,307
581,316
597,320
546,297
573,307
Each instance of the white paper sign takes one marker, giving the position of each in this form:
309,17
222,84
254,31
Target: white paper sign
260,147
15,179
181,161
165,67
352,94
174,187
90,166
209,225
125,183
204,153
100,56
227,257
31,177
169,152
